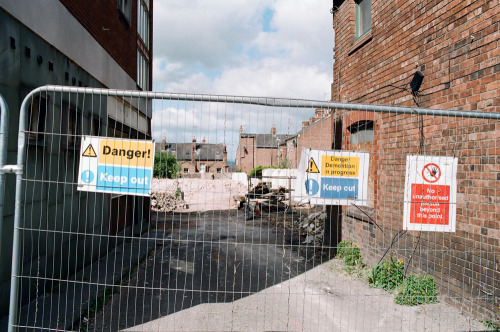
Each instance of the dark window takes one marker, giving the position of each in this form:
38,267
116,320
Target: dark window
125,9
363,17
73,126
362,132
95,126
186,170
37,114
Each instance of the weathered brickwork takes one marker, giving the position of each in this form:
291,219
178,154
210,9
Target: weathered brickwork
455,44
245,153
317,135
258,150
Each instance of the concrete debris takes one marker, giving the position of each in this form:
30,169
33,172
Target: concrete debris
312,227
263,198
260,189
165,202
240,200
202,194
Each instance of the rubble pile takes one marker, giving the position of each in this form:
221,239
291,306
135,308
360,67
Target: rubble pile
260,189
191,187
199,194
165,202
312,227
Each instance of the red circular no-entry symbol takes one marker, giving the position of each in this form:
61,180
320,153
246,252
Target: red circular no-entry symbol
431,173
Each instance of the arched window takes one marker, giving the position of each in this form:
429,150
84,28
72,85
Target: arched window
361,131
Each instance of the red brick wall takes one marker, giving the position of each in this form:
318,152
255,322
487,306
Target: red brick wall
246,160
318,136
266,156
455,45
255,156
218,164
103,21
187,164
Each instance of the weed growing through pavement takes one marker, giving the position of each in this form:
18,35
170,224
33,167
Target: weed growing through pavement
350,253
387,275
417,289
494,326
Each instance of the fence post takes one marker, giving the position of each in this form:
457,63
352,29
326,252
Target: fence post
4,121
19,170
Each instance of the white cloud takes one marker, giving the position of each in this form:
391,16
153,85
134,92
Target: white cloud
220,47
180,121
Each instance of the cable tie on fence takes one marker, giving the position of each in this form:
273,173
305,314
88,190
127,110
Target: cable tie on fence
396,237
17,169
366,214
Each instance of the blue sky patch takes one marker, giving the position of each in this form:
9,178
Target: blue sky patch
267,17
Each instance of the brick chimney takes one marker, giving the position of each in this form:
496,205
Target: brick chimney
273,130
241,130
163,143
225,156
320,113
305,124
193,152
203,140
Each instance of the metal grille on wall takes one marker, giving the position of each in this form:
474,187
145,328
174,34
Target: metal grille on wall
252,214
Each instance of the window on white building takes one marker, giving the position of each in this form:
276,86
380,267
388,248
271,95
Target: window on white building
142,71
143,21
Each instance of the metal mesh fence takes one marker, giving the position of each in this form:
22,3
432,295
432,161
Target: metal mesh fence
263,214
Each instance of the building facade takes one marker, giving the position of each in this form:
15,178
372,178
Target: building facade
197,157
105,44
380,48
317,133
259,150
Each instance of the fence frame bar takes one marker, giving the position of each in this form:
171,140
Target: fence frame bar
4,124
263,101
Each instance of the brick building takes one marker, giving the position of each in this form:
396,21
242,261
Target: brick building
197,157
316,133
379,48
258,150
105,44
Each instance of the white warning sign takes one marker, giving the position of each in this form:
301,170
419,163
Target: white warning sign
333,177
430,193
112,165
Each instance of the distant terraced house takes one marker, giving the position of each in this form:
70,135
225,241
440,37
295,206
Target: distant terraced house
197,157
258,149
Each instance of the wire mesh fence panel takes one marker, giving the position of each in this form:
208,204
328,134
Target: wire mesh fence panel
156,211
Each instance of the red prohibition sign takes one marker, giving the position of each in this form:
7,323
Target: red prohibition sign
431,172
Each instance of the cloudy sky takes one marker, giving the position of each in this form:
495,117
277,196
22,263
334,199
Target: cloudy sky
272,48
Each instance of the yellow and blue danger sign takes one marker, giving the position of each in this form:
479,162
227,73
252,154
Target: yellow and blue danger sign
333,177
116,166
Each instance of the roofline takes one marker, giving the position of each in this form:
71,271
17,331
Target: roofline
307,128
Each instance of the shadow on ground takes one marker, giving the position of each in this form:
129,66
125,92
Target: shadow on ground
208,257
